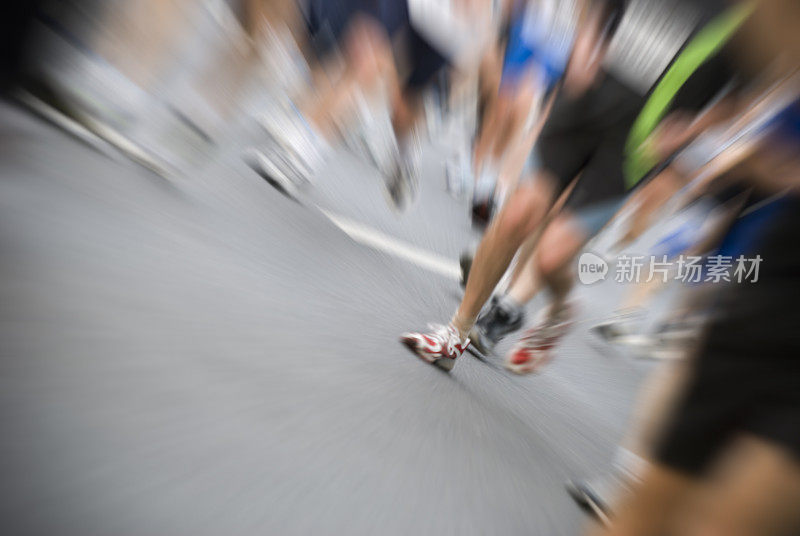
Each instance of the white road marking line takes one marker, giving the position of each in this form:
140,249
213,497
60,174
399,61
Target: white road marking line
383,242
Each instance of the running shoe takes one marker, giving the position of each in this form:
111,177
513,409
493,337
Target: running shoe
596,495
371,136
402,170
535,347
403,182
276,168
672,340
291,155
503,317
440,347
661,346
592,497
616,328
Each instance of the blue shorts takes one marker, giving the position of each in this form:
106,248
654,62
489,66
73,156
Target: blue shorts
522,56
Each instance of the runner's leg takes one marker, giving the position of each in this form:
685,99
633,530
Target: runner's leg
560,243
756,495
650,511
368,59
519,218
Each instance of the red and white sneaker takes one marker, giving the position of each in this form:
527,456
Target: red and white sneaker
535,348
441,347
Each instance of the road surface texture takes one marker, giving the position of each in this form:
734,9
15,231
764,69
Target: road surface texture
202,355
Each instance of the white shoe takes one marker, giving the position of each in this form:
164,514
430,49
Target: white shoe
441,346
403,176
292,155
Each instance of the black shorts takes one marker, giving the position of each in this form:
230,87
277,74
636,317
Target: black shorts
746,377
739,385
327,21
586,137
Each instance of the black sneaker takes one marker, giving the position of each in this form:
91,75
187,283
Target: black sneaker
597,495
503,317
619,326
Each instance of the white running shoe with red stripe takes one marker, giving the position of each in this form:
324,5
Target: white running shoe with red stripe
535,348
440,347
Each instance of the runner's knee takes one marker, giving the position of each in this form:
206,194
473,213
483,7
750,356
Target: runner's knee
559,244
522,213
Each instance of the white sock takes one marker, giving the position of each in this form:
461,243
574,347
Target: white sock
463,325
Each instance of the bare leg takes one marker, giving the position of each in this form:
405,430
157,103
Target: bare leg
225,80
369,61
755,493
489,86
140,36
513,118
406,110
505,131
514,161
518,219
561,241
651,509
490,131
525,282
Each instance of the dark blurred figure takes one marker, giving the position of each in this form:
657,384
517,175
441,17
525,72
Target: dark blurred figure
15,35
728,458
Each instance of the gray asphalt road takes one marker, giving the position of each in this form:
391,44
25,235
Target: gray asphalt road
205,356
